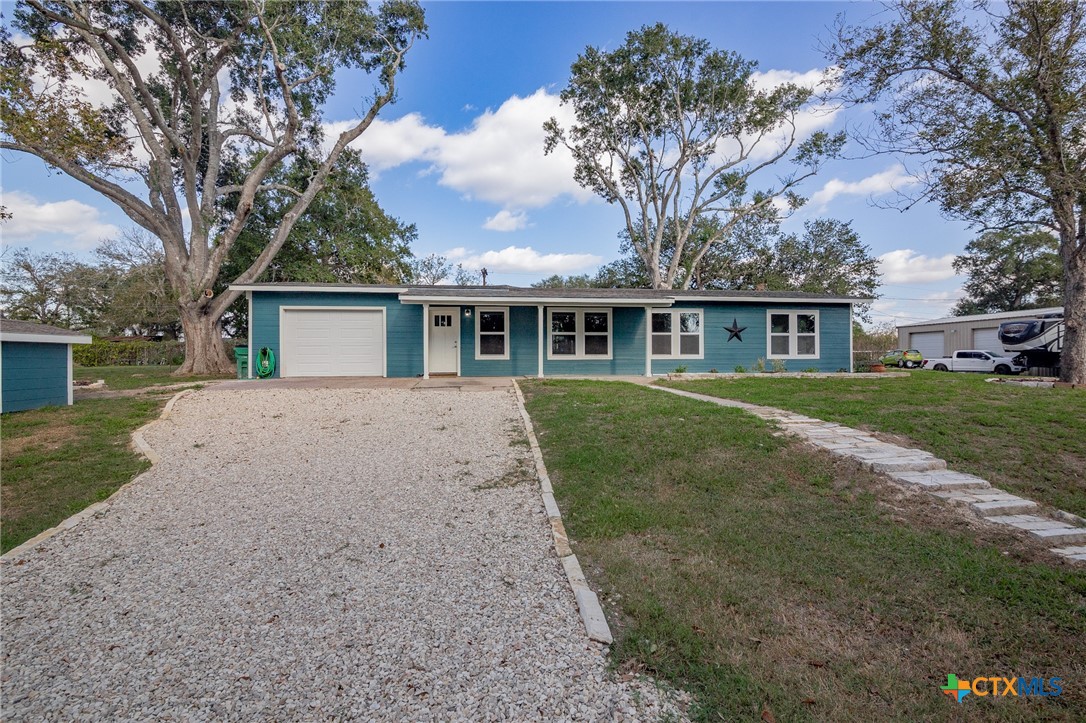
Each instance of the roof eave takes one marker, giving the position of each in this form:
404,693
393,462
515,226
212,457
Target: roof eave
45,338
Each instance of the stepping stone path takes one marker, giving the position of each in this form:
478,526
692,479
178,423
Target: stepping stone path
922,470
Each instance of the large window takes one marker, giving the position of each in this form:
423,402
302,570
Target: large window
492,333
579,333
678,334
793,334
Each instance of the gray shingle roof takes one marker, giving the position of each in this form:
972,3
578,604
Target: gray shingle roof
12,326
495,292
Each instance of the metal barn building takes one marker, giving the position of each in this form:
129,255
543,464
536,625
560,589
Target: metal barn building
942,337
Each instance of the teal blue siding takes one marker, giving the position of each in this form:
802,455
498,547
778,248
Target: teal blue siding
724,355
627,353
523,346
404,329
33,375
403,324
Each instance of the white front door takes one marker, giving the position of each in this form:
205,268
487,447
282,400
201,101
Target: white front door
444,330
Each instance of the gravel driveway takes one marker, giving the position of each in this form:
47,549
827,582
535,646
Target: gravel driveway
313,554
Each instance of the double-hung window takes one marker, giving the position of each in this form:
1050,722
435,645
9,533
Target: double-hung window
579,333
492,333
678,334
793,334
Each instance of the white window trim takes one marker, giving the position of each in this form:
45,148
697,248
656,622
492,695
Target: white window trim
479,310
675,333
793,333
580,334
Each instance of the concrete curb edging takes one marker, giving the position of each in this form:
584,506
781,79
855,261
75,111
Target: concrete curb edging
99,508
588,604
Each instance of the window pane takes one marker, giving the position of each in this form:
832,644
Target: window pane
661,344
492,321
595,344
689,344
779,323
564,321
779,345
661,322
805,345
690,321
595,321
805,323
492,344
563,344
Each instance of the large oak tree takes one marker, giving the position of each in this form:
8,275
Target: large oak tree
205,105
989,103
674,131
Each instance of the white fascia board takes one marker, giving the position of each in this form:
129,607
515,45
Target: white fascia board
531,301
322,289
772,300
45,338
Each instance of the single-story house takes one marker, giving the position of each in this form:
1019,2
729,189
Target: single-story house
943,337
35,365
410,331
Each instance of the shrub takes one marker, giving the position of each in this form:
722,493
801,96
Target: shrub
779,365
811,370
713,371
740,369
680,369
128,353
759,365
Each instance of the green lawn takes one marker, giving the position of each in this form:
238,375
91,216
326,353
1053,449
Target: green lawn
135,377
762,575
57,460
1027,440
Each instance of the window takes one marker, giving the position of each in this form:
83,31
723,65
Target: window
580,334
492,333
793,334
677,334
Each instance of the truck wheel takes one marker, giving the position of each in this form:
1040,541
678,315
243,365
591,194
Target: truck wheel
939,367
1002,369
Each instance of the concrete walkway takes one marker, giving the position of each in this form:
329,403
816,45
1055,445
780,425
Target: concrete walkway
922,470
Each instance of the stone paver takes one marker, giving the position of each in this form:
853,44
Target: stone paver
919,469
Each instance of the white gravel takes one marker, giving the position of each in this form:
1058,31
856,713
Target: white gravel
311,554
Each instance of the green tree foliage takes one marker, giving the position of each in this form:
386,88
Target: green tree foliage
140,301
828,258
675,132
1010,270
212,104
990,101
53,288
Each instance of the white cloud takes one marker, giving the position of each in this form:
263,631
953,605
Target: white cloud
924,307
506,220
499,158
81,223
810,119
892,179
905,266
523,259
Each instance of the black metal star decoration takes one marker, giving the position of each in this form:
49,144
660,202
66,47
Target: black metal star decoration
735,331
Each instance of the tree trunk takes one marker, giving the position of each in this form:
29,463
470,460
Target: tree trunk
204,350
1073,356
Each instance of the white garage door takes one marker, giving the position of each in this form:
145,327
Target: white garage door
928,343
988,340
332,343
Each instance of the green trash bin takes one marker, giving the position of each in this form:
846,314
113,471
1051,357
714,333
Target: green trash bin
241,355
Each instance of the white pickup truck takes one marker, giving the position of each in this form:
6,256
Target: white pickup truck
974,360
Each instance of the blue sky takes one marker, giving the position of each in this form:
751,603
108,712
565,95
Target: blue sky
460,154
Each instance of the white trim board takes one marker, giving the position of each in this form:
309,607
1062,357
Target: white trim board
45,338
479,311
